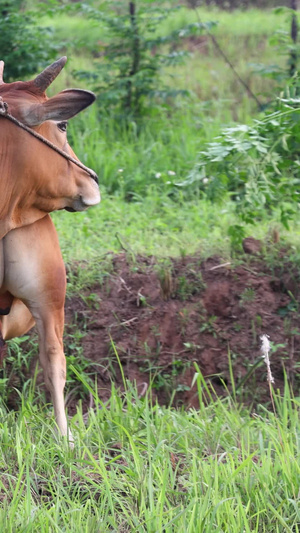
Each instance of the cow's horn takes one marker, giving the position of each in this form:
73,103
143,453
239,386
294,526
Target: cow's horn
43,80
1,71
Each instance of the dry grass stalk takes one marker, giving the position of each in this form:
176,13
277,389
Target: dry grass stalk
265,348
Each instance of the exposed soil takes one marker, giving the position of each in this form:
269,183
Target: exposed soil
164,319
161,320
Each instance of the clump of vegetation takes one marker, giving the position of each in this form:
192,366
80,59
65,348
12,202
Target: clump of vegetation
257,164
25,46
143,467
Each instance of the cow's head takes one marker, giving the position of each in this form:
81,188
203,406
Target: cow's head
34,179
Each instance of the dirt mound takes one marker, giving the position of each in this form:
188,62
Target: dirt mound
160,320
154,322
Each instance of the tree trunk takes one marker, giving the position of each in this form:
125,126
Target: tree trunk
135,54
294,34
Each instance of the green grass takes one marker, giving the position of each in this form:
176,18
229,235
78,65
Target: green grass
76,29
230,23
167,139
158,226
243,36
136,466
144,468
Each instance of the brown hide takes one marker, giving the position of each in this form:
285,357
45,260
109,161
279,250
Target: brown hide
34,179
34,285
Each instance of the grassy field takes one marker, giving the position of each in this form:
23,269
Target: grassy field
137,466
145,468
157,225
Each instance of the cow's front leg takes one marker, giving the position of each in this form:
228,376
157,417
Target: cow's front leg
35,274
53,361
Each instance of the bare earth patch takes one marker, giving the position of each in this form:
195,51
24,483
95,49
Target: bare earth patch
161,319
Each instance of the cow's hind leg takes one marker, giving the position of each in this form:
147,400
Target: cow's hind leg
15,323
50,330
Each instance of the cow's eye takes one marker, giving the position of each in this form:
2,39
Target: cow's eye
62,126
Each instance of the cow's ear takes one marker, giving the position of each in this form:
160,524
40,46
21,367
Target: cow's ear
63,106
67,104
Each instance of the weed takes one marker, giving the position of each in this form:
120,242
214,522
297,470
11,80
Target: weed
237,327
164,273
255,324
83,275
208,325
141,300
184,289
184,320
192,346
247,296
17,364
188,285
165,377
92,301
73,343
155,331
127,446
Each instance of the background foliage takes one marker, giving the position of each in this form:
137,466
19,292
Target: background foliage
238,4
182,139
25,46
178,175
257,164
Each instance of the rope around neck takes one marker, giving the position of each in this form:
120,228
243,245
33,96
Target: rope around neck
4,113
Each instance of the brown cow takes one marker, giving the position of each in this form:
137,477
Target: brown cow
35,180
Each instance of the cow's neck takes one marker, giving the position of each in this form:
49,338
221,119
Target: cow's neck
17,219
18,198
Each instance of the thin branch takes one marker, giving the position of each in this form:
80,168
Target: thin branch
218,47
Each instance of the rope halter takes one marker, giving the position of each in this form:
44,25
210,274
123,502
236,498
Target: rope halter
4,113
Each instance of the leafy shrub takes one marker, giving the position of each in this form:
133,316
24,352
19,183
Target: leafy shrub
259,165
24,46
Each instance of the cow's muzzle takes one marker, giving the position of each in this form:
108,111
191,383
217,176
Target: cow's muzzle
83,202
